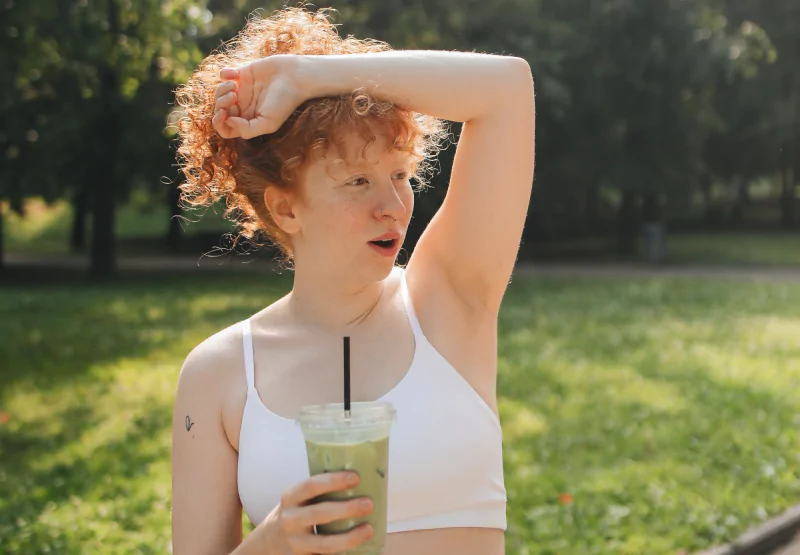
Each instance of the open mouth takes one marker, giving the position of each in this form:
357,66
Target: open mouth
385,247
386,244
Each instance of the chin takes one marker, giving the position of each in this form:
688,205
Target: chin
374,271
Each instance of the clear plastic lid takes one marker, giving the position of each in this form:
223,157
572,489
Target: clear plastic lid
363,415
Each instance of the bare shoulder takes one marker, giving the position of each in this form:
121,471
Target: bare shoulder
211,362
213,376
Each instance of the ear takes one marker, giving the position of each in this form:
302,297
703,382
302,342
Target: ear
281,206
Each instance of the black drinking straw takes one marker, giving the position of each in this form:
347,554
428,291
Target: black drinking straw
347,377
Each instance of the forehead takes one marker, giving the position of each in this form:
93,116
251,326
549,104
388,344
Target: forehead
353,151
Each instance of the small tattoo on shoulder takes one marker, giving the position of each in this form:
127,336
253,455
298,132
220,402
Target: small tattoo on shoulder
189,423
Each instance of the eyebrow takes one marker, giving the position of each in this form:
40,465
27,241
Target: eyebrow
361,163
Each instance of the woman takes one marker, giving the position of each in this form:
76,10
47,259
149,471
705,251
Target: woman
315,149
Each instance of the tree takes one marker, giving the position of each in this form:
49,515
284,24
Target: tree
104,50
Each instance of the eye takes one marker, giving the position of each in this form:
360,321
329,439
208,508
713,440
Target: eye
401,175
358,181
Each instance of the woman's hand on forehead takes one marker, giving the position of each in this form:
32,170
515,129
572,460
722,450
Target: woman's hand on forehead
257,98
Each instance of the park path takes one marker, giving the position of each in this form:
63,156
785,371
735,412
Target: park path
791,549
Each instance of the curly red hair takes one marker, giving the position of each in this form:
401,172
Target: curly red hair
238,171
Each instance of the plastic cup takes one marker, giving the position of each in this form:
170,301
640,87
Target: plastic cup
358,443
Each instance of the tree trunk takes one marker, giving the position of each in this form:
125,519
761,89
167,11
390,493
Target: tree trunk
107,134
104,185
626,224
174,229
2,241
591,209
653,233
708,207
787,197
651,208
742,198
80,203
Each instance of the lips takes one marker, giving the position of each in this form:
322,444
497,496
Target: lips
386,237
387,244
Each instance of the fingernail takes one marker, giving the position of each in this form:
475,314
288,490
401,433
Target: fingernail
352,479
365,504
368,531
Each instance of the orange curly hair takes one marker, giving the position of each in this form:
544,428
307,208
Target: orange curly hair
238,171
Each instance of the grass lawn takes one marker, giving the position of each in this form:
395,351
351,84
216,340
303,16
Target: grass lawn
780,249
639,416
768,249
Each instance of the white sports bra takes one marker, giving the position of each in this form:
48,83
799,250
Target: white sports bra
445,447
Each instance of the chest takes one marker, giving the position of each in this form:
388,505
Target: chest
294,368
444,438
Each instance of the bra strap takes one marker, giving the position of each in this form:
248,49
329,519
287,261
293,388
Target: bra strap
409,306
249,364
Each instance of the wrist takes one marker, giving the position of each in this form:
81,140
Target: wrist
316,77
263,537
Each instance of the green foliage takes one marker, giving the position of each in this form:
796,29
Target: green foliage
660,99
43,230
58,53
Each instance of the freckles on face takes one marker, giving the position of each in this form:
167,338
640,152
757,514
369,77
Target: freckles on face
332,204
356,189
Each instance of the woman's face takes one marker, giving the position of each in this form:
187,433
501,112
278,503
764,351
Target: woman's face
354,209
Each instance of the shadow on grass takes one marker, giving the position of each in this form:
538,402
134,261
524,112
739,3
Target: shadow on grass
34,484
57,334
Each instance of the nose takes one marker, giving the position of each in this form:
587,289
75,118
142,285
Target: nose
390,204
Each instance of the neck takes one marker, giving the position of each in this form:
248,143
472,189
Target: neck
334,303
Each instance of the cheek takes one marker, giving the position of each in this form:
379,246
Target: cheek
342,217
406,194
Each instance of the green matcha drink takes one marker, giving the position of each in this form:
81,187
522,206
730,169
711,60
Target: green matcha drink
359,443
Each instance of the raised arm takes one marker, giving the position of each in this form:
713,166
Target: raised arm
474,238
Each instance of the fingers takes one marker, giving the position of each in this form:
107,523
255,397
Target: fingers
224,88
317,485
231,78
229,73
335,543
225,95
247,129
220,124
302,518
226,101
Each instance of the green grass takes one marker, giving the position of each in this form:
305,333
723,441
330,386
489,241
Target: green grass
45,229
768,249
666,409
780,249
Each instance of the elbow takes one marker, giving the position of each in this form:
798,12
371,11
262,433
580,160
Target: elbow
519,69
519,80
520,66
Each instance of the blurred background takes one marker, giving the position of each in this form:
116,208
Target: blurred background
650,341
